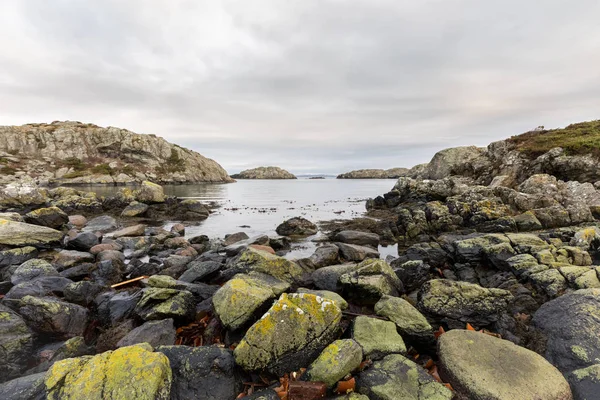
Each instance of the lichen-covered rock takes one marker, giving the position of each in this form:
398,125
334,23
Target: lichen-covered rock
291,334
17,255
396,377
157,303
480,366
134,372
369,281
452,161
392,173
52,217
21,234
261,261
52,316
134,209
463,301
32,269
410,322
264,173
326,294
585,382
155,333
571,323
239,299
336,361
297,226
201,372
377,338
327,278
473,250
16,341
192,210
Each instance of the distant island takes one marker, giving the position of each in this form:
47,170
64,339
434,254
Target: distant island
393,173
264,173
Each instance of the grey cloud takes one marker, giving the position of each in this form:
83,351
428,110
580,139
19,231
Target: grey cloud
312,86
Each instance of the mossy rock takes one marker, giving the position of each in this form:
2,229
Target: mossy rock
159,303
371,280
21,234
377,338
396,377
339,300
410,322
254,260
238,300
17,256
32,269
16,341
290,335
134,209
54,317
133,372
473,249
52,217
336,361
585,382
149,193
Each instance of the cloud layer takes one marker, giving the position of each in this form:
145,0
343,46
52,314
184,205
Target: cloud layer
312,86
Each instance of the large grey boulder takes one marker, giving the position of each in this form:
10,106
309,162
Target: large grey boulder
52,217
585,382
21,234
54,317
297,226
32,269
452,161
354,252
482,367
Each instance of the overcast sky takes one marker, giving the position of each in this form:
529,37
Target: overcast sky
311,86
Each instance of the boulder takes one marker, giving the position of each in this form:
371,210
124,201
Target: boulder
326,294
585,382
198,270
155,333
234,238
411,324
528,222
16,342
369,281
377,338
412,273
452,161
67,258
201,372
291,334
165,303
134,230
83,241
463,301
101,224
52,217
113,308
473,249
396,377
261,261
335,362
149,192
134,209
77,221
238,300
325,255
354,252
17,255
327,278
53,317
32,269
570,324
82,293
192,210
22,234
30,387
297,226
134,372
38,287
357,237
480,366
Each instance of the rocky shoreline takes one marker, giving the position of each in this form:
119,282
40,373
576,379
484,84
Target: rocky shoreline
494,294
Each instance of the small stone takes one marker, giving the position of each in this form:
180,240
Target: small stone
410,322
377,338
336,361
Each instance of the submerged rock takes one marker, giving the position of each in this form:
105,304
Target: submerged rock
291,334
479,366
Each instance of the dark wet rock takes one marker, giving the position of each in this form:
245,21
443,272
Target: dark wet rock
52,316
396,377
473,249
21,234
134,209
198,270
291,334
369,281
142,269
16,341
297,226
462,301
116,307
159,303
357,237
280,243
83,241
17,256
108,339
52,217
411,324
78,272
192,210
325,255
430,253
377,338
527,222
155,333
109,272
200,291
30,387
238,247
585,382
480,366
83,293
175,265
50,354
32,269
234,238
412,273
102,224
212,376
67,258
41,286
353,252
327,278
570,324
239,299
335,362
498,255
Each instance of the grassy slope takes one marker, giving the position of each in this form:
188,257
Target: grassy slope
580,138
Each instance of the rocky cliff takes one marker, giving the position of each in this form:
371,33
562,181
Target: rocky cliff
76,153
393,173
264,173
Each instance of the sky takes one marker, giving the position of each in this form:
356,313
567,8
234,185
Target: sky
312,86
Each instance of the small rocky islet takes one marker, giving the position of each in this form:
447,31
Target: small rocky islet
495,293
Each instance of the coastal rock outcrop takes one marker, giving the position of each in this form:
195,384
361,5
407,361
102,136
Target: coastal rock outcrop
264,173
393,173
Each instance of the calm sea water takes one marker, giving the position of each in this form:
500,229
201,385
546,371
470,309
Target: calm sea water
258,206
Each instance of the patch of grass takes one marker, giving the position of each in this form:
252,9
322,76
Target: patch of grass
74,174
75,163
128,170
173,164
575,139
7,170
102,169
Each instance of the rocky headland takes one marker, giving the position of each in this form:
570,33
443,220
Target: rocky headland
75,153
494,294
264,173
393,173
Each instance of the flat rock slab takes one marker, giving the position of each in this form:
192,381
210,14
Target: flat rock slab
21,234
483,367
